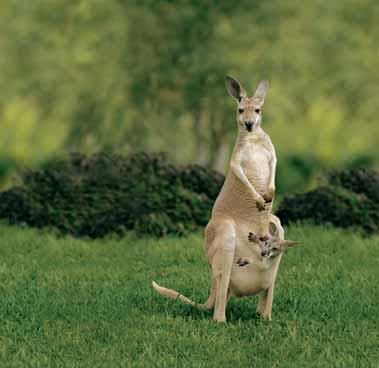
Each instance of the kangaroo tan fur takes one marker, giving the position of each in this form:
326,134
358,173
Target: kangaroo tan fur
243,205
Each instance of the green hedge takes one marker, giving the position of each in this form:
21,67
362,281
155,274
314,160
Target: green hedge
101,194
350,198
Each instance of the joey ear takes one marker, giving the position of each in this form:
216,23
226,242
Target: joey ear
234,88
260,93
289,243
273,230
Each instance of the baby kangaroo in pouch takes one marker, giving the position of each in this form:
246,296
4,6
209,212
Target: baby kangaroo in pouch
270,247
243,205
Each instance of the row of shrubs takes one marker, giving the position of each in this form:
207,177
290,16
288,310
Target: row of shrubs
347,198
300,172
102,194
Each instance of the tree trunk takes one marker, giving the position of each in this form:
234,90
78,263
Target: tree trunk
202,153
219,150
221,158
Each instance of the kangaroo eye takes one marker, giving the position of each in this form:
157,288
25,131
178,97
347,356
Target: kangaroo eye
241,111
257,111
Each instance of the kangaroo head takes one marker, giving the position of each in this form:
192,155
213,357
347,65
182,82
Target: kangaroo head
272,246
249,114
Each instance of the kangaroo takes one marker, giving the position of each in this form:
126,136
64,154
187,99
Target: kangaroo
244,204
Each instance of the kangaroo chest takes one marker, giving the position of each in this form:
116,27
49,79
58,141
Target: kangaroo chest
255,161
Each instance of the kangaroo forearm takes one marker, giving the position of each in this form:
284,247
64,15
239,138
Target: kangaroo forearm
272,173
239,173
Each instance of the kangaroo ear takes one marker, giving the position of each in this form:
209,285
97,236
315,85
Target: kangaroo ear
260,93
289,243
273,230
234,88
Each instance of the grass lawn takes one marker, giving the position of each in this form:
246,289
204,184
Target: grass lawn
80,303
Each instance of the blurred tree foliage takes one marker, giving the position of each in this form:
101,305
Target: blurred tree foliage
125,75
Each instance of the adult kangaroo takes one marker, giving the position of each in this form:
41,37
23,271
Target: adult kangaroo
243,205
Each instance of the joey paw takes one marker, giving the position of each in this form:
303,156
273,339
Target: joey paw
242,262
253,238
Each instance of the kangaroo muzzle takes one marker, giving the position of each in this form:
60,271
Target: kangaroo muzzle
249,126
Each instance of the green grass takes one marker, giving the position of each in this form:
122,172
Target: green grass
75,303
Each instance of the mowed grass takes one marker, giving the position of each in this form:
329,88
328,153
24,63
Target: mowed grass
80,303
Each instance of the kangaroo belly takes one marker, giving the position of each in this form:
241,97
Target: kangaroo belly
248,280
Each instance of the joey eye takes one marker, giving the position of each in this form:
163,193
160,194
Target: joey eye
241,111
257,111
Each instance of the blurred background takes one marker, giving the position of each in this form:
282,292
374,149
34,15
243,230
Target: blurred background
124,76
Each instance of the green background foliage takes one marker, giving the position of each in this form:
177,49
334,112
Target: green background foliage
120,76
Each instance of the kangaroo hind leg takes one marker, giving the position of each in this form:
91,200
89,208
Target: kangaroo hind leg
210,303
225,243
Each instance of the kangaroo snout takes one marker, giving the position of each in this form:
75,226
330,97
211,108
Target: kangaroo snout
264,253
249,125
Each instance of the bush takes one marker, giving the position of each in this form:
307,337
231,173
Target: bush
295,171
349,199
198,179
102,194
359,180
6,166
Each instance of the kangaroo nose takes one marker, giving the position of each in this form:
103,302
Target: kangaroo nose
263,253
248,125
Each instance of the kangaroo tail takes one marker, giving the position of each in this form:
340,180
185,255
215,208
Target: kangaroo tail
172,294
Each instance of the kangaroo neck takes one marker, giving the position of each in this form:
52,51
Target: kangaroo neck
244,137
